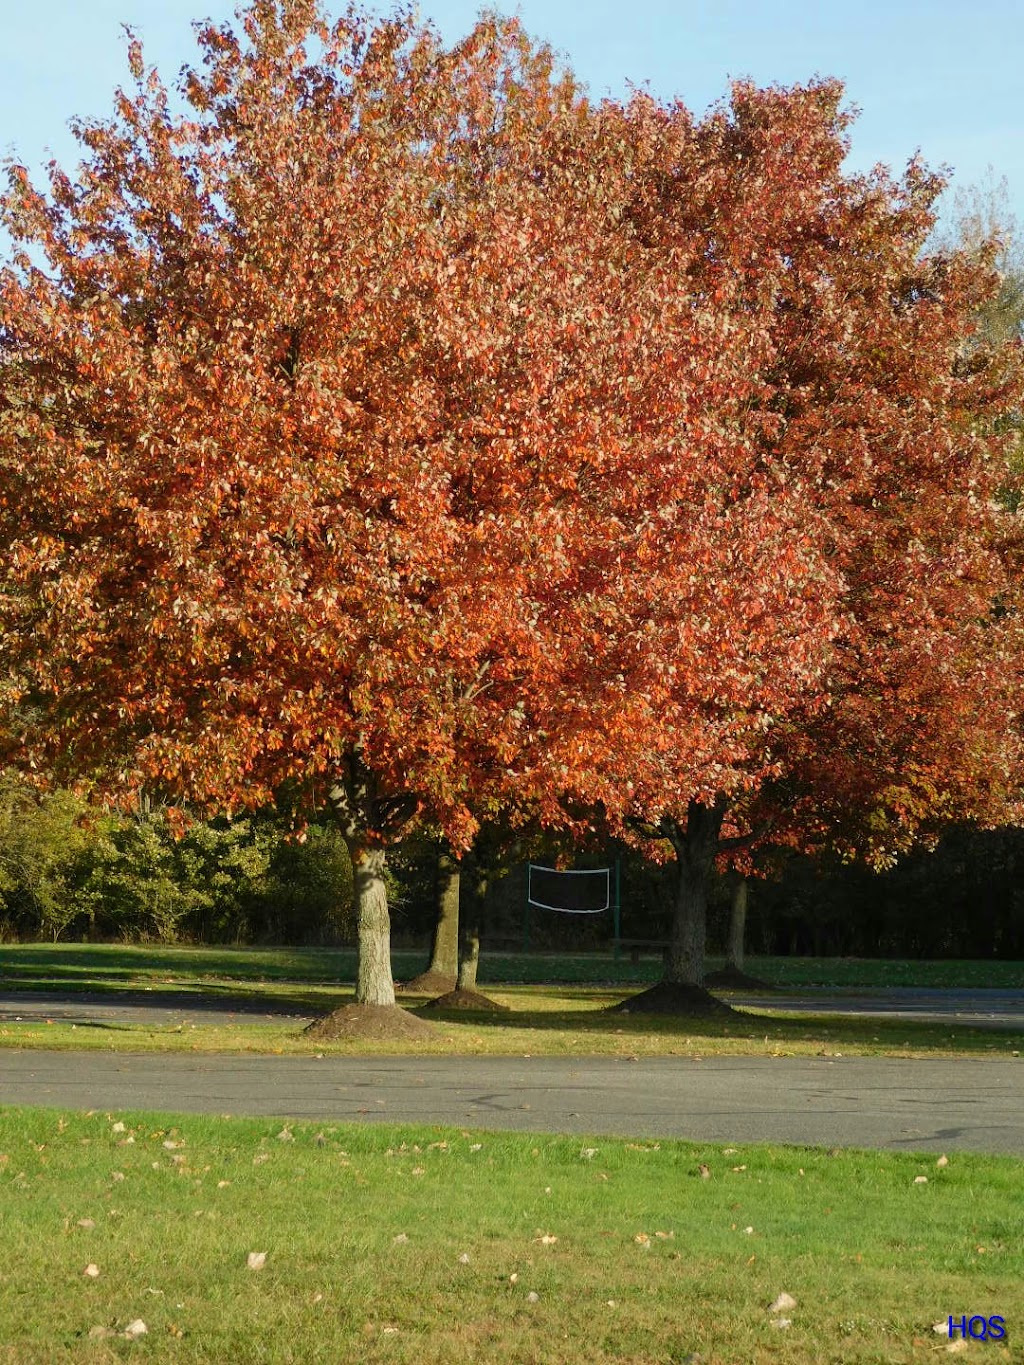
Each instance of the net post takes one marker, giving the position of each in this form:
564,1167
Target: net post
617,908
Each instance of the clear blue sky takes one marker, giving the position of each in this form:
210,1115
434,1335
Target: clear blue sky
942,76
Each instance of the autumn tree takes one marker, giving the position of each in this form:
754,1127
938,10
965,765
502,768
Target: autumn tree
351,417
296,385
396,426
878,409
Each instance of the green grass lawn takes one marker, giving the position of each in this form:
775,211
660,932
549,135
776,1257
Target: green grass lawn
43,966
561,1018
428,1245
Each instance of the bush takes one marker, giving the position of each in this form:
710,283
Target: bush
68,870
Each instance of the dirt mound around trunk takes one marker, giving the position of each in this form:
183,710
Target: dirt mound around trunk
429,983
731,979
670,997
369,1021
465,1000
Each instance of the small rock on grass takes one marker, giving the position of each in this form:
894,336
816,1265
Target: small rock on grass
256,1260
136,1329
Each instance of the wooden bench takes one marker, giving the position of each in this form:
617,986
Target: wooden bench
637,945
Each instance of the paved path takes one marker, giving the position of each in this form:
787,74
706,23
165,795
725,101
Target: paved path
934,1105
163,1009
979,1008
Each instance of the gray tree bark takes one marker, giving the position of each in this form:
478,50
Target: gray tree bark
737,924
374,982
366,818
470,919
695,847
444,951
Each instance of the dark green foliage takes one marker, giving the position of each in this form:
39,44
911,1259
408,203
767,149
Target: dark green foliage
70,871
42,843
964,900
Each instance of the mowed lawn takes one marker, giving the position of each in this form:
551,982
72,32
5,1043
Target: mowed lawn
553,1006
69,966
427,1245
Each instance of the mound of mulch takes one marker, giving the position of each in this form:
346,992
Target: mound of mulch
369,1021
730,979
429,983
670,997
465,1000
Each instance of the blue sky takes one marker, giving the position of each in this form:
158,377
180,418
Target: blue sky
942,76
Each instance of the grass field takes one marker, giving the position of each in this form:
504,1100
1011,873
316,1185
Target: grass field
559,1018
422,1245
43,966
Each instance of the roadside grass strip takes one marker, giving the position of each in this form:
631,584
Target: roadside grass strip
180,1238
542,1022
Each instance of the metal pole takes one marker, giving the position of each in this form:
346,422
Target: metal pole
617,908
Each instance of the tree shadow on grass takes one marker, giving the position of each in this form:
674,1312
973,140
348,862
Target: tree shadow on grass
95,963
831,1033
239,999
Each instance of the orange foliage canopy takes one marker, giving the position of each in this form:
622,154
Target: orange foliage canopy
396,424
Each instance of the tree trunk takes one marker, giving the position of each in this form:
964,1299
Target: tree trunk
470,919
374,982
737,924
444,952
695,853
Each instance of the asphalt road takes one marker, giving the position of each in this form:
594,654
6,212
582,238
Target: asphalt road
914,1105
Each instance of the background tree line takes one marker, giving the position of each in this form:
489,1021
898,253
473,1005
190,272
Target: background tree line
70,872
